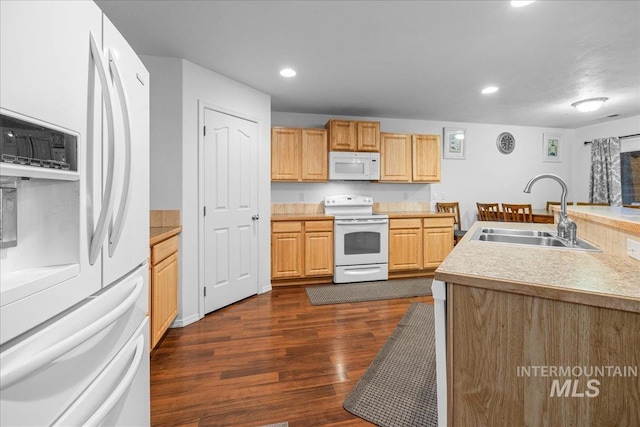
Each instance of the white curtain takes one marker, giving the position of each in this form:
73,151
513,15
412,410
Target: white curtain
605,185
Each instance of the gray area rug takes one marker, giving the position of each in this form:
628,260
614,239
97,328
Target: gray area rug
369,291
399,387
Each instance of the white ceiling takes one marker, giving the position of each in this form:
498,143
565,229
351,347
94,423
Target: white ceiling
424,60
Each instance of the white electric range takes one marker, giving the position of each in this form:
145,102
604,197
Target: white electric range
361,239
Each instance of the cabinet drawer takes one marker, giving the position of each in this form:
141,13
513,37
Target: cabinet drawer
286,226
405,223
311,226
438,222
163,249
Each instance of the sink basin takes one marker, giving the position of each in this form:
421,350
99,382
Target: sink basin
531,238
501,231
522,240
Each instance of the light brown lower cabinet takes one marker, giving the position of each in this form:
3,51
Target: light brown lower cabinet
163,287
301,251
418,245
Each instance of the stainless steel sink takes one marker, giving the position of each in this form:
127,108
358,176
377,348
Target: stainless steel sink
534,233
530,237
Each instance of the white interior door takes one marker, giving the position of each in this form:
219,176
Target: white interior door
231,209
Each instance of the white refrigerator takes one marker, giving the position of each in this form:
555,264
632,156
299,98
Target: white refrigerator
74,106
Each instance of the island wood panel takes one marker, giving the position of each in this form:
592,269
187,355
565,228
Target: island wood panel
607,237
492,333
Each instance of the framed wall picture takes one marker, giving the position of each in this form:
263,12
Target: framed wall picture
454,143
552,147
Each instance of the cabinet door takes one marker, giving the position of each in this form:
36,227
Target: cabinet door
164,296
287,250
285,154
405,249
426,158
395,157
438,241
342,135
318,253
314,155
368,136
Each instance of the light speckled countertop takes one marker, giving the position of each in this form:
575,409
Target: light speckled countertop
625,219
158,234
589,278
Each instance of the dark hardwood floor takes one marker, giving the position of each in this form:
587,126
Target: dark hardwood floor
270,358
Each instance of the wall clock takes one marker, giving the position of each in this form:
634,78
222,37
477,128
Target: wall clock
506,143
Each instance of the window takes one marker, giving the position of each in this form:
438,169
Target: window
630,174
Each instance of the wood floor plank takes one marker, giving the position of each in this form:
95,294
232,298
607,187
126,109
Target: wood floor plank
268,359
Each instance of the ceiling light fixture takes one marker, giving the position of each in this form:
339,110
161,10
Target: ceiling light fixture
490,89
287,72
587,105
521,3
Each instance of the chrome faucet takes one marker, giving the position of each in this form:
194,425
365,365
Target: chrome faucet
567,229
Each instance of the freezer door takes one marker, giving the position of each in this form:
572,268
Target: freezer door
120,394
127,245
50,367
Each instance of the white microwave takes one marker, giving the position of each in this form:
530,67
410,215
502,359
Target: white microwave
350,166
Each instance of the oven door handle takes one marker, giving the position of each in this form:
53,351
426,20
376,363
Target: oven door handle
351,222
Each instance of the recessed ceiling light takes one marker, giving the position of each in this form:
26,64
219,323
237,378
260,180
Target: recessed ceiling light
490,89
587,105
287,72
520,3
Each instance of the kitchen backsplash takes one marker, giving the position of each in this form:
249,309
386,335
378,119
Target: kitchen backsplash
164,218
318,208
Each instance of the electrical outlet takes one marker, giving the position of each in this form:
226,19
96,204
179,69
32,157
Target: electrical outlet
301,197
406,196
633,249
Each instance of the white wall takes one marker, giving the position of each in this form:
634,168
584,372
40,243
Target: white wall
203,85
165,150
582,152
178,89
484,176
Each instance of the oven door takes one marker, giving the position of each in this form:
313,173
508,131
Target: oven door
361,241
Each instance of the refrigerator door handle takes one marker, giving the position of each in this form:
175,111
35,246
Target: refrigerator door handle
115,234
84,411
108,199
57,342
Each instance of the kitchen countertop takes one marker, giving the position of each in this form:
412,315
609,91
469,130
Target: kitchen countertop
590,278
624,219
158,234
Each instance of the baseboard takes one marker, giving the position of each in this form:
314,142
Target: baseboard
182,322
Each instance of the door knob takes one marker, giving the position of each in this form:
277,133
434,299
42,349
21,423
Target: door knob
255,217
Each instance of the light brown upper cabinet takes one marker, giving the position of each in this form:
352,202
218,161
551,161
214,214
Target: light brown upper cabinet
347,135
298,154
395,157
409,158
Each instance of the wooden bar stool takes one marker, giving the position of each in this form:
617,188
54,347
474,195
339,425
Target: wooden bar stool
549,204
453,207
517,213
489,212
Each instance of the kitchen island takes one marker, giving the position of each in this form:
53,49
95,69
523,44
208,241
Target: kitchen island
543,336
